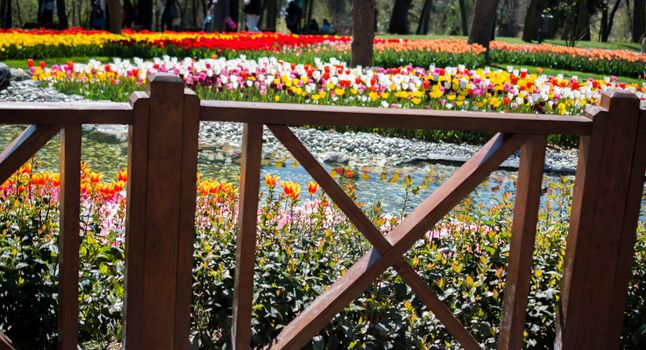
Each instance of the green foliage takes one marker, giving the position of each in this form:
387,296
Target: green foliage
303,246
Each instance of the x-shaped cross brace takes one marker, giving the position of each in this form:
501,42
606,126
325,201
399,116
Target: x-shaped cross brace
388,250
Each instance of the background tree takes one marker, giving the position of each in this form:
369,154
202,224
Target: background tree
639,24
269,14
532,20
6,15
484,22
463,17
62,14
363,32
145,14
422,27
114,16
508,18
399,17
611,20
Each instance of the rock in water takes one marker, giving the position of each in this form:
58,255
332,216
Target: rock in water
5,76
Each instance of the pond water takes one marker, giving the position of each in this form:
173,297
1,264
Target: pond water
373,184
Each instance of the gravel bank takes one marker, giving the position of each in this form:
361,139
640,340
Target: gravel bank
353,149
30,91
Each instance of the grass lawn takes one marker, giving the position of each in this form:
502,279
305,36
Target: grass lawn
22,63
582,44
568,73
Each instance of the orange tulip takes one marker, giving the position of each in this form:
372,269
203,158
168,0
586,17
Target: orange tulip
292,190
312,187
271,180
94,178
25,169
122,175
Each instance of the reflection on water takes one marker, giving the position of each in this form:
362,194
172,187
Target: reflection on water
108,154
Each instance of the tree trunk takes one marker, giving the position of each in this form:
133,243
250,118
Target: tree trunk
114,16
39,16
577,23
583,21
18,14
272,15
604,22
3,9
145,14
194,14
399,18
484,22
310,11
62,14
363,32
532,20
463,18
422,27
9,19
611,19
639,24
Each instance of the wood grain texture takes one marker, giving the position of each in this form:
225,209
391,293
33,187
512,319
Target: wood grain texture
136,222
162,213
293,114
372,264
69,239
246,238
598,229
24,147
628,237
188,202
5,343
65,113
521,251
372,233
161,219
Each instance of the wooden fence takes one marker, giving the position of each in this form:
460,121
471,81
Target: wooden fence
162,166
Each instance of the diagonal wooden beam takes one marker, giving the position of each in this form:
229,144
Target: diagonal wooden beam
5,343
372,233
24,147
373,264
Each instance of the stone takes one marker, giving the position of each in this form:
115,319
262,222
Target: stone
5,76
18,74
334,158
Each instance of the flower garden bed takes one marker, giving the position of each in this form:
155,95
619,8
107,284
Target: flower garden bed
304,241
269,79
389,53
275,67
304,244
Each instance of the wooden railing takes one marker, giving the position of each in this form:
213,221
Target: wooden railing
162,163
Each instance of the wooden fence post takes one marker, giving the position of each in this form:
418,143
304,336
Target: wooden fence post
162,166
605,210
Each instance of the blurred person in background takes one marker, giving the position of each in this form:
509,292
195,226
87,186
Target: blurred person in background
252,9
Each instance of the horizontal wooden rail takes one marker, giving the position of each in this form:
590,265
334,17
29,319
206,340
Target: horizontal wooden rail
294,114
65,113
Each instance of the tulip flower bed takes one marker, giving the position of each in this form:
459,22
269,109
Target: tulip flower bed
304,244
389,53
269,79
